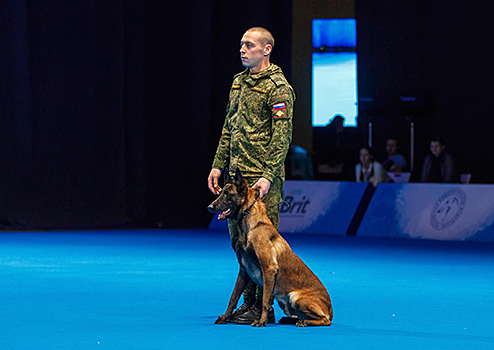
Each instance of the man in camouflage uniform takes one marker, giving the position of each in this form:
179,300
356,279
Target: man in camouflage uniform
255,139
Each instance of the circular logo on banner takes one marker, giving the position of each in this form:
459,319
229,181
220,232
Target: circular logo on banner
448,209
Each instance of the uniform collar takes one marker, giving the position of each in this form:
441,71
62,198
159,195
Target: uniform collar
251,79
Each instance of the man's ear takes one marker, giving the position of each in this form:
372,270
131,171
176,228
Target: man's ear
267,50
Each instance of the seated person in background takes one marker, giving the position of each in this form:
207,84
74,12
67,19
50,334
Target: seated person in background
396,162
328,150
369,170
334,151
439,166
299,164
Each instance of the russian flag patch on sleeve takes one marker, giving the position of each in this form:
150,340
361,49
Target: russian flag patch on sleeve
279,110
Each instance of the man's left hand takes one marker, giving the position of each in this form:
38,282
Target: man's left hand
263,185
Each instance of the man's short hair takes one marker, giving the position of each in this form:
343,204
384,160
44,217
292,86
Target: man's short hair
439,139
393,138
265,37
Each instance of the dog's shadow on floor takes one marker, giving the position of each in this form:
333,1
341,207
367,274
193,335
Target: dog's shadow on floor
348,330
282,321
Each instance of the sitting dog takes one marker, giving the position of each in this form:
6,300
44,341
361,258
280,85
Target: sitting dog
267,259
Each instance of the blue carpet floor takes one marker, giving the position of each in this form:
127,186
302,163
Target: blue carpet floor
160,289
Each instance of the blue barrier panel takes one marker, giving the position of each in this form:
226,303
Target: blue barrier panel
431,211
319,207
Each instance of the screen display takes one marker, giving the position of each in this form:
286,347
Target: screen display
334,71
334,87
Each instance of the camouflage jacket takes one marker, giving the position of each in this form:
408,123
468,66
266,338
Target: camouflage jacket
257,131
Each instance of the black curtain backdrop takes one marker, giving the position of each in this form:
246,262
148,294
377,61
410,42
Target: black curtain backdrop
437,49
110,111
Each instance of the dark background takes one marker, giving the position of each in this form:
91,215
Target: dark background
110,111
439,50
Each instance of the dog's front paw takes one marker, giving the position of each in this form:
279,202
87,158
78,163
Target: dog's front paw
258,323
303,323
221,320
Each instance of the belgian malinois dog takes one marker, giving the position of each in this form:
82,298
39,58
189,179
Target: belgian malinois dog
267,259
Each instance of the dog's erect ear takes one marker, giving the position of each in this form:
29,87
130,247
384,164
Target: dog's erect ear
240,182
238,177
226,178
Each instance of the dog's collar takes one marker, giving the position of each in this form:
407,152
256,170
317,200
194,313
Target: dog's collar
247,211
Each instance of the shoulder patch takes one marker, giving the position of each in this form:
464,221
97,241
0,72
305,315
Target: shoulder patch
260,89
279,110
235,86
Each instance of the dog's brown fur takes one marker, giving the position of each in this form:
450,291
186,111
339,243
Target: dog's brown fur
267,259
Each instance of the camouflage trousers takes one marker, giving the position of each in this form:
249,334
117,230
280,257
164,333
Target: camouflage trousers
272,201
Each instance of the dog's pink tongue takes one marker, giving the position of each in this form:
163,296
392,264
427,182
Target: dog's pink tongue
223,215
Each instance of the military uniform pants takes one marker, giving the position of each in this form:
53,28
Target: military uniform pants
272,201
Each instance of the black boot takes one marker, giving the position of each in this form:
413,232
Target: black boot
239,311
252,314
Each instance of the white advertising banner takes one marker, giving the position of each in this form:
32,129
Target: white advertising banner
431,211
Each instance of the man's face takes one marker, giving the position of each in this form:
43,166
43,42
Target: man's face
391,147
252,52
437,148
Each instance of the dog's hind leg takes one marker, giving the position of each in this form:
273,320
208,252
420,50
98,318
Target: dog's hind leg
308,323
242,280
313,313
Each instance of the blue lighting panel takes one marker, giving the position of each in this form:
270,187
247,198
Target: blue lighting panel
334,33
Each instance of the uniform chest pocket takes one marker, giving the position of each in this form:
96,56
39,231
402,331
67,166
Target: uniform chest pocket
258,101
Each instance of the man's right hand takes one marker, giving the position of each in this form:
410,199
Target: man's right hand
213,181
